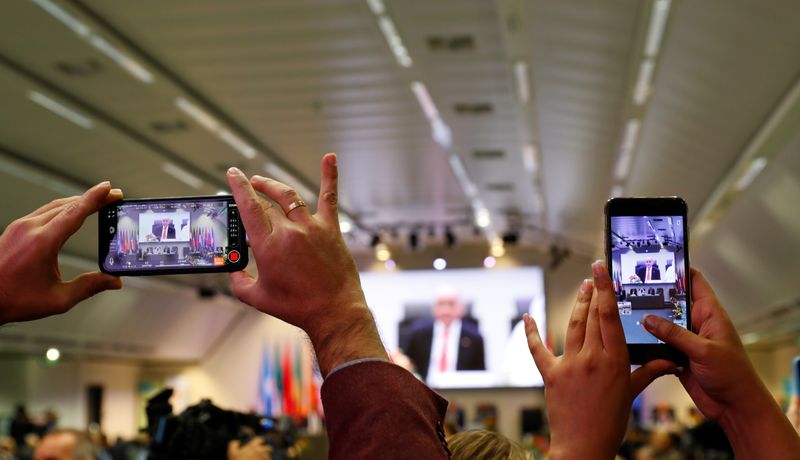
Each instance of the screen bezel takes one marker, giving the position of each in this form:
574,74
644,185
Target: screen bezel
660,206
105,237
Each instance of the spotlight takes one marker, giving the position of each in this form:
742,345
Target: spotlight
52,355
489,262
382,252
345,226
439,263
390,265
449,237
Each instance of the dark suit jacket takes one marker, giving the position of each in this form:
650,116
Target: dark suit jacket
470,348
377,410
641,272
158,228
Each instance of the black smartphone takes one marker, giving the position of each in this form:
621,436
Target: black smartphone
647,250
162,236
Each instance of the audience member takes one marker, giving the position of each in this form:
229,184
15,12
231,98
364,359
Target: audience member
590,378
253,450
484,445
64,444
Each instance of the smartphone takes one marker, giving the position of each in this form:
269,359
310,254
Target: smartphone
796,368
162,236
647,250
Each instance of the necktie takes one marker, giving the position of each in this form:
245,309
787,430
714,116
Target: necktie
443,359
164,232
648,273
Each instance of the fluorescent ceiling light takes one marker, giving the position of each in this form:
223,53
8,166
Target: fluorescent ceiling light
345,226
123,60
521,79
199,115
482,217
182,175
655,31
617,191
626,150
753,170
441,133
211,124
237,143
643,81
377,7
395,42
61,110
424,99
538,201
529,158
65,18
279,174
223,192
21,170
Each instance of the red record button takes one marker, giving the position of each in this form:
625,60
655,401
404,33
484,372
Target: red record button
233,256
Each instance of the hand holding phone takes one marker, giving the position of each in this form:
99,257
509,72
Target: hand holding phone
648,258
172,235
30,281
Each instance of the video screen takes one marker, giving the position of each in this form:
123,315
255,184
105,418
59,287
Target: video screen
155,235
460,328
649,272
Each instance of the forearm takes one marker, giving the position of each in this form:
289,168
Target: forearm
759,429
350,335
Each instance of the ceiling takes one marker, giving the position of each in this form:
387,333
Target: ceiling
291,80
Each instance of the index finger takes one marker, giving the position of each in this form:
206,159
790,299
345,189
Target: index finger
255,214
328,203
610,324
69,218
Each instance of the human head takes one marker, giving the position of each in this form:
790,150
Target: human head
484,445
65,445
448,306
648,262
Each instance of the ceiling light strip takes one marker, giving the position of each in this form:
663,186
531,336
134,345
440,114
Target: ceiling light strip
61,110
655,31
390,34
210,123
522,81
127,63
182,175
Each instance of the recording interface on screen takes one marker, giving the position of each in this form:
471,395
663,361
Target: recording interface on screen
460,328
649,272
164,235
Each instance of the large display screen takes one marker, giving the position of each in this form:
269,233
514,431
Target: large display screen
460,328
649,272
164,235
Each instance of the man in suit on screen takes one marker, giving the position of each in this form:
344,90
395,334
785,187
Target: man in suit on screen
649,271
446,343
164,229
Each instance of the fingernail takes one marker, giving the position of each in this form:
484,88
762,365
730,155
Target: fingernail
333,161
527,320
105,183
234,171
586,286
598,267
258,178
677,370
117,191
649,321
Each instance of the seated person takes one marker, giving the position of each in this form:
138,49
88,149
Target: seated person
649,271
484,445
65,445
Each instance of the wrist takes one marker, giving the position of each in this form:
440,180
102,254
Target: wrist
347,334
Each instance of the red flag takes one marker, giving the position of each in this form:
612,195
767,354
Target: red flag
288,382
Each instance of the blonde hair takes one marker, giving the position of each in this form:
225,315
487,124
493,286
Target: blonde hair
484,445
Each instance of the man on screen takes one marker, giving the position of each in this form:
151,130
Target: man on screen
649,271
164,229
446,343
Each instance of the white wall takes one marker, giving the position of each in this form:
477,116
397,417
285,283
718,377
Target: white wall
62,387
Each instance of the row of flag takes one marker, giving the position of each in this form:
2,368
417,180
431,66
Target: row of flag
202,238
127,240
288,383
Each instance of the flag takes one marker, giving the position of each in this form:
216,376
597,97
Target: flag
288,382
267,387
278,376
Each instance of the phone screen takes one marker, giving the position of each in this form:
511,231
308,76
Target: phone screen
201,234
649,270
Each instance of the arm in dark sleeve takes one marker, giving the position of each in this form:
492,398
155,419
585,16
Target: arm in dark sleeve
376,409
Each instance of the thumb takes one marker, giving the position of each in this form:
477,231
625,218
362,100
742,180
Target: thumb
679,337
644,375
244,285
87,285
